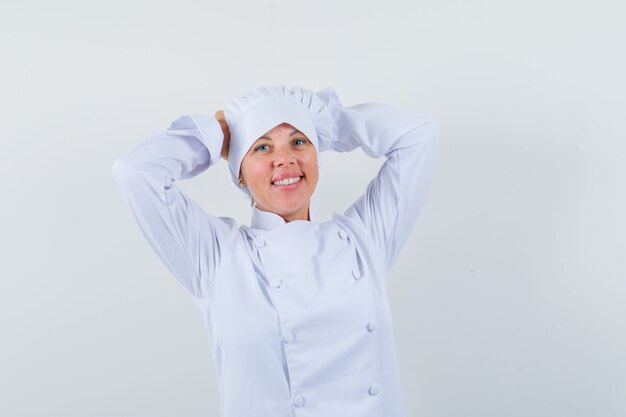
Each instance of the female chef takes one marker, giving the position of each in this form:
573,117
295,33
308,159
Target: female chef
296,310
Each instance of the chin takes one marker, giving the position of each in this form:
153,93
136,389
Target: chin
285,208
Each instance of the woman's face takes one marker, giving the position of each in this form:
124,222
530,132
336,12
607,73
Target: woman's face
280,171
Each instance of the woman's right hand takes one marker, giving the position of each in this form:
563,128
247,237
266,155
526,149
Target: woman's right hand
219,115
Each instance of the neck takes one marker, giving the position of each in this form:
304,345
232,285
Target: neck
300,214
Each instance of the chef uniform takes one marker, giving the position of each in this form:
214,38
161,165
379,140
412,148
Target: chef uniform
297,313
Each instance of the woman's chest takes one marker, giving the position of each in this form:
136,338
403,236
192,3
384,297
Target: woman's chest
314,279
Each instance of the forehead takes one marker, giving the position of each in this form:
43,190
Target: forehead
280,129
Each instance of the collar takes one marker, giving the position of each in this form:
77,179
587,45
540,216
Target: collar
267,220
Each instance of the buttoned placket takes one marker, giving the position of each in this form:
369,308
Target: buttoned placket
287,337
356,271
371,326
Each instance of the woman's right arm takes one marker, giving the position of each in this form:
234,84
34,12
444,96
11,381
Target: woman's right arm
189,241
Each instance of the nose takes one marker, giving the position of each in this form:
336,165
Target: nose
284,156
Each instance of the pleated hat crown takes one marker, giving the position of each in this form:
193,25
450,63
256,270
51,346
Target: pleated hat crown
257,111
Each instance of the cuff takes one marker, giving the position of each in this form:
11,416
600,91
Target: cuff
205,128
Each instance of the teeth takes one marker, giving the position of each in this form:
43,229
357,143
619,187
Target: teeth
287,181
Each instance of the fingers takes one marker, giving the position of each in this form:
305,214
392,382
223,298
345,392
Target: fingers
219,115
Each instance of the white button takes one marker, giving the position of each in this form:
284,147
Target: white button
374,390
343,234
288,337
356,274
298,401
259,243
275,283
371,326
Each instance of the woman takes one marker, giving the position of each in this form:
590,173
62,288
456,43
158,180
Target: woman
296,310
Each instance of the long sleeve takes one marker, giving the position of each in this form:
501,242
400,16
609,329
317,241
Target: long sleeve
188,240
409,141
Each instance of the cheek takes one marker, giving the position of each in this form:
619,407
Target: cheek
311,162
255,173
249,168
312,167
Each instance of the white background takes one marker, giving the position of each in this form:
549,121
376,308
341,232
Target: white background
508,298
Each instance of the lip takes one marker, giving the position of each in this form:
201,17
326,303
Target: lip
283,176
289,187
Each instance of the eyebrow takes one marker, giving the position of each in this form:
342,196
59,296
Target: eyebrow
292,133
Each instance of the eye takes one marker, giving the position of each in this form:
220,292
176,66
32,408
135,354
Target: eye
299,141
261,148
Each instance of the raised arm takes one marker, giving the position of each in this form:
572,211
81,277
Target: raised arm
188,240
409,141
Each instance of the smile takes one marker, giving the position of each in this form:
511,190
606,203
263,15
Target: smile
287,181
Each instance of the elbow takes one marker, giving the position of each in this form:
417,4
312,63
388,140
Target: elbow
430,119
121,172
430,129
427,129
435,130
117,168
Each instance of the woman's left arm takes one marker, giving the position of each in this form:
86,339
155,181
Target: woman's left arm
394,198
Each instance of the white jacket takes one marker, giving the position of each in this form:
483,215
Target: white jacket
297,313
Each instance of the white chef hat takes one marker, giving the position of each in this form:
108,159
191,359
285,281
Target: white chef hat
259,110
